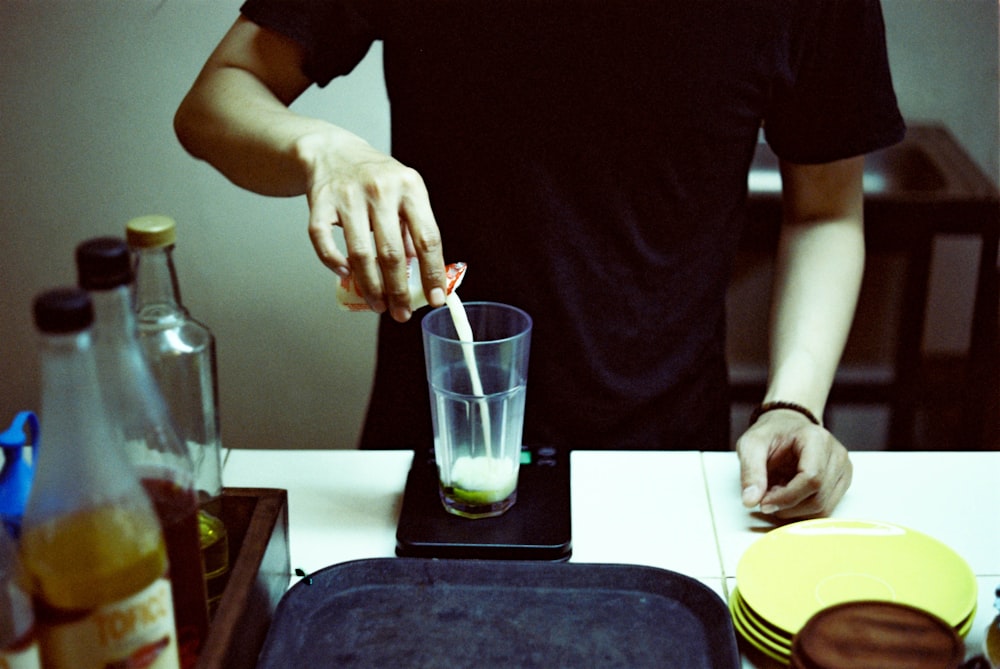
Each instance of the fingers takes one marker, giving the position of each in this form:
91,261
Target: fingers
391,257
822,479
424,238
801,497
385,213
753,472
801,484
793,470
322,217
807,496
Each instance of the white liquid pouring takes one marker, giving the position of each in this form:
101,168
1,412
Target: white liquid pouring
464,330
479,473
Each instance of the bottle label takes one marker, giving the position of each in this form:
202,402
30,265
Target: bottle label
134,633
23,658
349,295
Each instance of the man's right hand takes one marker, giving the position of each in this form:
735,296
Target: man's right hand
385,213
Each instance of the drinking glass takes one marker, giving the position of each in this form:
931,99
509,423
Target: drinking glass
477,391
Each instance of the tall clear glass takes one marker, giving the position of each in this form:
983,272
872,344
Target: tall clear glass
181,354
477,390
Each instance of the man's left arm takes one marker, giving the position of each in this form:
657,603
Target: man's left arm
792,467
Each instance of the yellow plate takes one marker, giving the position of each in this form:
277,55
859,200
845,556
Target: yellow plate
749,631
763,637
798,569
761,626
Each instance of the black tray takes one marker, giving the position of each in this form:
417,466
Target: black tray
413,612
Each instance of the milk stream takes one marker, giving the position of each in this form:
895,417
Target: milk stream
464,330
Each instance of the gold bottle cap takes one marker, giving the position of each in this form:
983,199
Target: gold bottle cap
151,232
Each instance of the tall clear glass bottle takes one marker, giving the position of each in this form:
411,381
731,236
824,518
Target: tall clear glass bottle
181,353
91,544
18,645
161,459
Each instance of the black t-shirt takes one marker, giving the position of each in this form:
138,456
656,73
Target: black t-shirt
588,159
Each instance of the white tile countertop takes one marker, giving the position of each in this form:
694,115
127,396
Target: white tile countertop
951,496
674,510
954,497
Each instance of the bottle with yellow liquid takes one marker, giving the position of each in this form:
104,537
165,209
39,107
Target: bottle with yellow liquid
93,553
181,355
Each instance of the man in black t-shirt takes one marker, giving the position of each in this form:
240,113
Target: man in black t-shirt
588,160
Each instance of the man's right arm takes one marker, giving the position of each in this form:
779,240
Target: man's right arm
237,118
236,114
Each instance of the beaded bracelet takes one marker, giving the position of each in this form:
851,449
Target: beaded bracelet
774,406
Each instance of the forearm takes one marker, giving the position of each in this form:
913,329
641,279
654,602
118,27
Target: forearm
237,115
236,124
789,466
819,273
819,266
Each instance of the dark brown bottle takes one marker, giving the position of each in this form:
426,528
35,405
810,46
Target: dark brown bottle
160,458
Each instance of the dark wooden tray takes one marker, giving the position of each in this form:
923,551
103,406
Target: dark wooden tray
260,570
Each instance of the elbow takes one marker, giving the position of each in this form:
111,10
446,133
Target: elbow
187,126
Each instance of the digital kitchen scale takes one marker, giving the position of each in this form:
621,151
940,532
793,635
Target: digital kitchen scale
537,527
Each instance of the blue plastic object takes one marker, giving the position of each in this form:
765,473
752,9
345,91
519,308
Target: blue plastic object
17,471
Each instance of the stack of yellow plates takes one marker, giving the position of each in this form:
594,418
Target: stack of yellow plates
795,571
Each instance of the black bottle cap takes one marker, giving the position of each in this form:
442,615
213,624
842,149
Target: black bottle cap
63,311
103,263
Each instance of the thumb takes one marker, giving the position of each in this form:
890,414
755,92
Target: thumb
753,475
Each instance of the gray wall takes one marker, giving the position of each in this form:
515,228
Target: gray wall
87,93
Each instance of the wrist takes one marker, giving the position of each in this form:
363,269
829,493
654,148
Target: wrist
312,148
328,153
778,405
